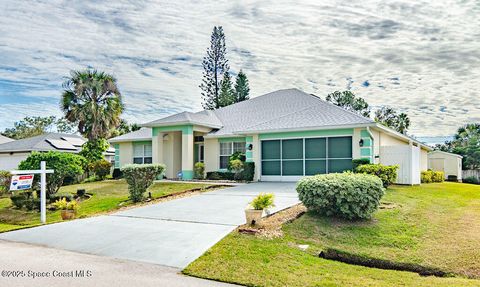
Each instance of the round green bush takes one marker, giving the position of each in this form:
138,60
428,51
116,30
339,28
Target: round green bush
139,177
346,195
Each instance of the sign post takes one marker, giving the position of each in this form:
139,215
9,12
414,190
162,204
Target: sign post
24,181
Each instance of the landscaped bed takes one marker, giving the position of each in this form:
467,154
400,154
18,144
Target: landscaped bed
106,196
432,225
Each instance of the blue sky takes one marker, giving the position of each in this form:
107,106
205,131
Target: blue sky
420,57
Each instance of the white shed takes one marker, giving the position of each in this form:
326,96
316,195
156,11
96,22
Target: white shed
449,163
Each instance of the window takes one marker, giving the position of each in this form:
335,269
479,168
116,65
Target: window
142,153
227,149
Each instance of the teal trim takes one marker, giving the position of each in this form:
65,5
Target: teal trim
185,129
317,133
142,142
367,142
187,174
364,134
249,139
231,139
365,151
249,154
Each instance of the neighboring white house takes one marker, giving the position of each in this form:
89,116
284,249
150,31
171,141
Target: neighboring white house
4,139
449,163
288,134
13,152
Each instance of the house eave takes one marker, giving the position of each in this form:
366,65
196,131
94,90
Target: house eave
195,123
402,136
306,129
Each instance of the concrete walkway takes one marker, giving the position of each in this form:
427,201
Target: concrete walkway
61,268
172,233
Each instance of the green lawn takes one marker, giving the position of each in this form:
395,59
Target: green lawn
435,225
106,196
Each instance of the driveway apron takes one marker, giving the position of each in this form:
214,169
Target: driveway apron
172,233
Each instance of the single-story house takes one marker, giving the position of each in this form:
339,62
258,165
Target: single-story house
12,153
449,163
4,139
287,134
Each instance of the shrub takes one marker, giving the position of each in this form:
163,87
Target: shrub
63,204
56,197
452,177
248,171
426,176
64,164
360,161
236,155
18,200
218,175
262,201
236,166
5,178
438,176
471,179
387,173
347,195
429,176
32,203
139,177
199,170
101,168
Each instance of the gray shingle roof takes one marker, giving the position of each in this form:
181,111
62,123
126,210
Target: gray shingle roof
141,134
204,118
279,110
284,109
36,143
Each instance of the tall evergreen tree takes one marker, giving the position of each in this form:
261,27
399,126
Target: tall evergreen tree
215,65
227,93
242,88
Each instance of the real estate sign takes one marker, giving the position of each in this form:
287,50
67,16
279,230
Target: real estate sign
21,182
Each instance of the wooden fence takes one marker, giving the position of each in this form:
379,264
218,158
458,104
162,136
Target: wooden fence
470,173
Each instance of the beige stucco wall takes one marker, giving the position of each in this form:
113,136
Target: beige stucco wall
355,139
212,154
172,153
126,153
10,161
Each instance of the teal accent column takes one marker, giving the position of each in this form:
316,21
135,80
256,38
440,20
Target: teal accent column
367,150
248,153
187,174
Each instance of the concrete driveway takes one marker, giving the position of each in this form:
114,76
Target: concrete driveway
172,233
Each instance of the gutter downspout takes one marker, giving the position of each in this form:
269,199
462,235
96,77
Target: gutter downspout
373,143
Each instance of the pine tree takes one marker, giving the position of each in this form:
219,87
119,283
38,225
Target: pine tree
215,65
241,87
227,93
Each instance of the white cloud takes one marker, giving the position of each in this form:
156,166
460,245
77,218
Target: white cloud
416,56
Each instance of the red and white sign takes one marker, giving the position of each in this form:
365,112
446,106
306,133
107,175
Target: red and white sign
21,182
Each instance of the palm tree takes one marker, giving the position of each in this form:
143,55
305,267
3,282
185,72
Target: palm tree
92,100
403,123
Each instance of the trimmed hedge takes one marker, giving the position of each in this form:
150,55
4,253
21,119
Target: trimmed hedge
101,168
471,179
387,173
139,177
360,161
199,170
248,171
429,176
219,175
347,195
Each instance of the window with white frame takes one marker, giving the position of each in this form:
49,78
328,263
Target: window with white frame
142,153
227,149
